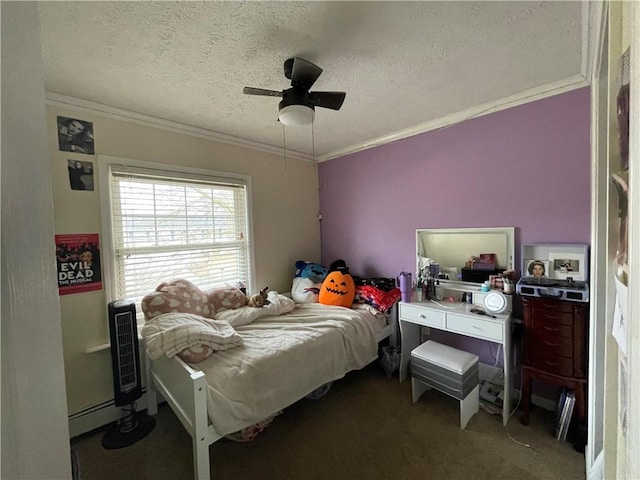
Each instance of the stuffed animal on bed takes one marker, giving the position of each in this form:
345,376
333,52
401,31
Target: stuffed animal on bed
338,288
307,281
258,300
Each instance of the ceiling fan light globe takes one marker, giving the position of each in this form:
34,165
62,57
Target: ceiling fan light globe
296,115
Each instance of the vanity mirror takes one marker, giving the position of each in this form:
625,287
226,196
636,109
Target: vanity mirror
452,248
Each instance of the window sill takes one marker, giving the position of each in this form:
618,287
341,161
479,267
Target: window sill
104,346
97,348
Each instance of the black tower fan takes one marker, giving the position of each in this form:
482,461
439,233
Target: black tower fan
127,385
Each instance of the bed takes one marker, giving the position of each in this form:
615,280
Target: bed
282,359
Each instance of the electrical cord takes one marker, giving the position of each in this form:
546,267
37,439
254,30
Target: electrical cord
515,409
495,365
509,417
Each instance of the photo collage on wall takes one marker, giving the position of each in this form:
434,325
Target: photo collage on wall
76,136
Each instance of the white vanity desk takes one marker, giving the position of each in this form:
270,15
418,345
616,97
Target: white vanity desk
455,318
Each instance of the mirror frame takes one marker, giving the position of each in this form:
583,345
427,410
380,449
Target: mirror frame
506,234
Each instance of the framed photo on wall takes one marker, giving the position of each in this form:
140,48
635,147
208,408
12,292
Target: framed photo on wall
75,135
78,263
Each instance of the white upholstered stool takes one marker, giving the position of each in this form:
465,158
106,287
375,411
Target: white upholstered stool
450,371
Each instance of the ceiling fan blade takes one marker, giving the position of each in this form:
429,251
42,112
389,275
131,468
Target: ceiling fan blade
304,74
332,100
261,91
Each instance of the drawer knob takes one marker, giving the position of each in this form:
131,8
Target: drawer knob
551,363
551,344
551,329
421,316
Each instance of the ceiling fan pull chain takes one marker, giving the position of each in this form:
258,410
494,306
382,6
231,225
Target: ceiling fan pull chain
313,146
284,148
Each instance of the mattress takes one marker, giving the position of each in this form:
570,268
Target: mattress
286,357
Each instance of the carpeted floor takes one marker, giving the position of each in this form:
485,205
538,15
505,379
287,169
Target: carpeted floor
365,428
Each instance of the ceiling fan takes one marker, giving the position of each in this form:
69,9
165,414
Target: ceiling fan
298,103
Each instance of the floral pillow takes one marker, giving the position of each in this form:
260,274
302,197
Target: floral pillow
176,296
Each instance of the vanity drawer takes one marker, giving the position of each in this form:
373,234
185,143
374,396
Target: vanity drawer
422,316
475,327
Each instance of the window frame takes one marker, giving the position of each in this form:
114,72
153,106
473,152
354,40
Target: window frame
106,211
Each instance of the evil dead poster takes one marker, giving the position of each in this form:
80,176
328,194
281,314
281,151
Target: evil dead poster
78,261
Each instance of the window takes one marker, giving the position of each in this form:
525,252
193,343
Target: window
166,224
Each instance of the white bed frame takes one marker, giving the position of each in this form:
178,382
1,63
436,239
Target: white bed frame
185,390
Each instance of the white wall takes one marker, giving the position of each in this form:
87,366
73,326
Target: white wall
35,436
284,198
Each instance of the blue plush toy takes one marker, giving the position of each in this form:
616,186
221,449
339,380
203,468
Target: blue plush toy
307,281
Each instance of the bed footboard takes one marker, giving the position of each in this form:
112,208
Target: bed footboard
185,391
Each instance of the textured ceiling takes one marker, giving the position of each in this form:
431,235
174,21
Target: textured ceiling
402,64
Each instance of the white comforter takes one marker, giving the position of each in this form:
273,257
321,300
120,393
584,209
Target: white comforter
283,359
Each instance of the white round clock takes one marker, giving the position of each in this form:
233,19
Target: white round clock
494,302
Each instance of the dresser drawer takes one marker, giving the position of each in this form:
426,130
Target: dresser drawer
553,364
551,327
548,305
552,344
422,316
475,327
555,316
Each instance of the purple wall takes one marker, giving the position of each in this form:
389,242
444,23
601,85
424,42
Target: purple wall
527,167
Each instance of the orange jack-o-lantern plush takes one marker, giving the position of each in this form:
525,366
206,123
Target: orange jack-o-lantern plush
338,288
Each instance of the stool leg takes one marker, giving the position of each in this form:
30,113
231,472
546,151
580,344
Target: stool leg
469,406
417,389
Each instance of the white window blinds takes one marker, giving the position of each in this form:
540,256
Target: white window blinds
168,225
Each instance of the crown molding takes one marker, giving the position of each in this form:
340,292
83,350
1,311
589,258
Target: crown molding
64,101
592,18
526,96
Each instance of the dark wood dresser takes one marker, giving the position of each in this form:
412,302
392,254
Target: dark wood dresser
555,348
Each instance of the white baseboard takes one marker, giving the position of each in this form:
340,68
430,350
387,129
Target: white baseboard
97,416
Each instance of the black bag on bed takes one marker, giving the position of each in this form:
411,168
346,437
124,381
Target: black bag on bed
381,283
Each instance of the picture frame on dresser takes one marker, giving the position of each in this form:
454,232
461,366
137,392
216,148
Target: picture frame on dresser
529,266
561,260
563,265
